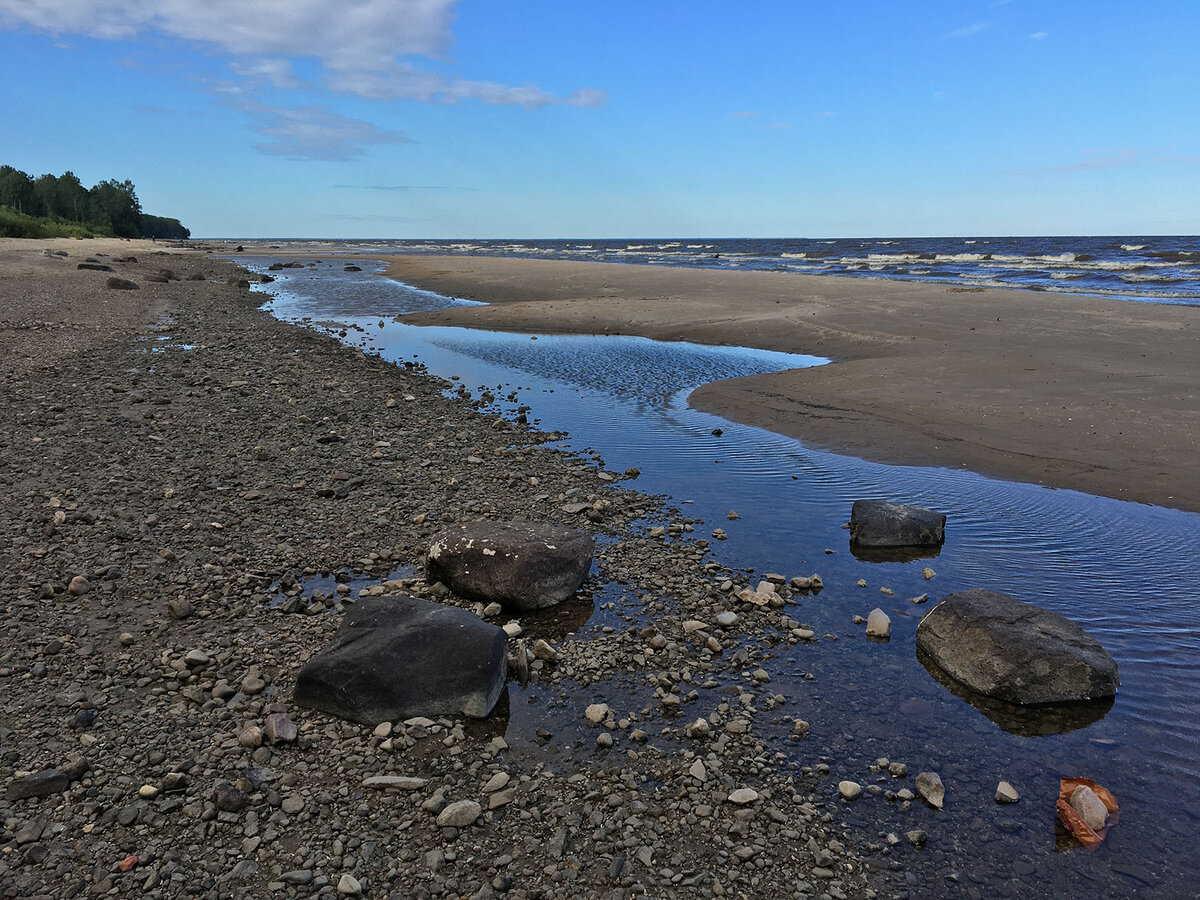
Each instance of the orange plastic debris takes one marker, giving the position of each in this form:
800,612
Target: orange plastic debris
127,863
1072,820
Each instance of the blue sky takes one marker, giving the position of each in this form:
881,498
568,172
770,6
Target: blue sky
435,118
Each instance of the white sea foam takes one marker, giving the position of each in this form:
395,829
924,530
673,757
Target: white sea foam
1131,247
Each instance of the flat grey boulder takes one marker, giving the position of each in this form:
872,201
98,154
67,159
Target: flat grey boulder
877,523
1014,651
520,565
398,657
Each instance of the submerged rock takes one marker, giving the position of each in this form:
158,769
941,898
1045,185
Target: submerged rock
399,657
1090,807
877,523
879,625
521,565
931,789
1014,651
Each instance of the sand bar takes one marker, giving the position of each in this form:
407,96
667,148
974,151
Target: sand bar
1093,394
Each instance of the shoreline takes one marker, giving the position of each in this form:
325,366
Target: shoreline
1087,394
187,455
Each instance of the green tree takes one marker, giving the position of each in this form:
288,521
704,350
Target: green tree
115,204
16,190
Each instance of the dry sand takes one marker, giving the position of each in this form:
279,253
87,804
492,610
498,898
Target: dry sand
1076,392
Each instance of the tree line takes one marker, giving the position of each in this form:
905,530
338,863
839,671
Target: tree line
59,205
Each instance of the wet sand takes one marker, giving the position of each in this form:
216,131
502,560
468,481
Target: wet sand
1086,393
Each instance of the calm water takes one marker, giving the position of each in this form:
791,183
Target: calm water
1152,269
1126,572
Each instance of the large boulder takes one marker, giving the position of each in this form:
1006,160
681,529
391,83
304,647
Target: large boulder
398,657
520,565
1015,651
877,523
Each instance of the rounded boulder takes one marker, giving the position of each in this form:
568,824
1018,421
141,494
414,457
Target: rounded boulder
520,565
1014,651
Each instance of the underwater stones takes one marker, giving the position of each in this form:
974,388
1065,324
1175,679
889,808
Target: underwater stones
398,657
521,565
877,523
931,789
879,625
1014,651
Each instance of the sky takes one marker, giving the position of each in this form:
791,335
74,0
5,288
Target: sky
654,118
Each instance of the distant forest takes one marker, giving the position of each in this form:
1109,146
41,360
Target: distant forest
60,206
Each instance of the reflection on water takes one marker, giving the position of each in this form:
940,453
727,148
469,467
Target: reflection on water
1026,721
895,554
1125,572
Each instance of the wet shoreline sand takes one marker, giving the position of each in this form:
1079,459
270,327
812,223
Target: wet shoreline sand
1086,393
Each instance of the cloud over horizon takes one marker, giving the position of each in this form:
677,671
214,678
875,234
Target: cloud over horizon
366,48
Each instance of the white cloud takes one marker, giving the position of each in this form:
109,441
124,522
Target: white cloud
970,30
278,72
357,43
365,32
313,132
402,81
1039,35
1117,159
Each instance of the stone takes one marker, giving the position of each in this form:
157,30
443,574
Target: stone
39,784
520,565
348,885
278,728
930,787
1090,807
743,796
800,728
496,782
916,837
79,586
596,713
1014,651
727,619
179,608
1006,793
196,659
228,798
459,814
396,658
877,523
849,790
698,729
120,284
697,770
394,782
878,624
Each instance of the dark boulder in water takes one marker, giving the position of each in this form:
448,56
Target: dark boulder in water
399,657
1014,651
878,523
520,565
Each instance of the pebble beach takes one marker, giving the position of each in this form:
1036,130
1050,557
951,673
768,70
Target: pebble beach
176,464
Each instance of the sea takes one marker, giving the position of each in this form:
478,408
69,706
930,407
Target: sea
1151,269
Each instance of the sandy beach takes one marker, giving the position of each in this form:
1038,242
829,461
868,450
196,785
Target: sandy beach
1092,394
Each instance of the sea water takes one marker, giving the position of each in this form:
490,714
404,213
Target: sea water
1152,269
